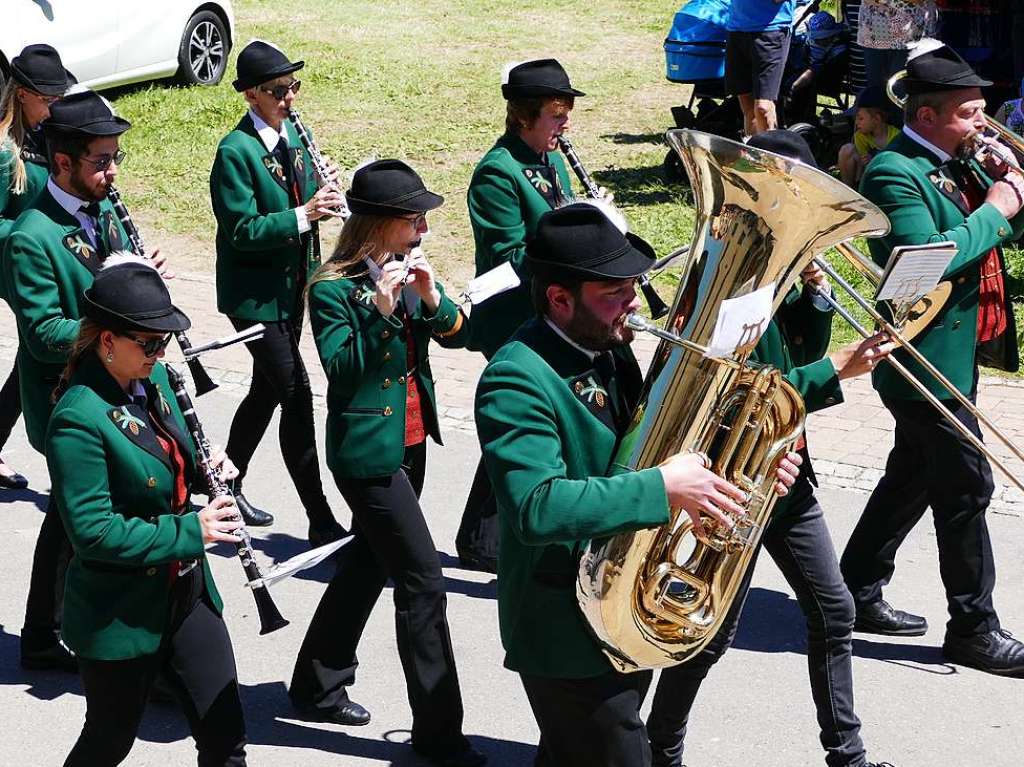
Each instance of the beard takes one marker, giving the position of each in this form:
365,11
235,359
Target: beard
82,191
590,332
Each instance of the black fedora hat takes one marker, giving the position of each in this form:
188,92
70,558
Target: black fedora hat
581,241
39,68
389,188
543,77
129,294
932,66
85,112
260,62
786,143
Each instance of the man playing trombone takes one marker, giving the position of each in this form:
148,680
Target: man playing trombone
931,195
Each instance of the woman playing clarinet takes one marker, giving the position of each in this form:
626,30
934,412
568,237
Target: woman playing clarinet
374,307
140,599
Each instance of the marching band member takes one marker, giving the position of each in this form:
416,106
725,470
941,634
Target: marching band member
50,257
374,307
140,596
519,179
38,79
797,537
550,408
931,196
265,200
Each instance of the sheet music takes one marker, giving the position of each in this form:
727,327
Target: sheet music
302,561
491,283
741,323
914,270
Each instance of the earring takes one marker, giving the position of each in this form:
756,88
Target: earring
110,357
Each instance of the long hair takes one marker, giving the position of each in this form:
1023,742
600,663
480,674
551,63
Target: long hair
360,238
12,134
87,342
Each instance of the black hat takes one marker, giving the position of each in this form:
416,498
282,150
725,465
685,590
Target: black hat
786,143
870,97
85,112
543,77
580,240
939,69
39,67
389,188
260,62
129,294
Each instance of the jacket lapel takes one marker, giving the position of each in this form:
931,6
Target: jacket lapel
362,294
165,416
942,178
133,424
77,243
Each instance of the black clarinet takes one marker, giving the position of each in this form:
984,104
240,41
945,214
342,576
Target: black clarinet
657,307
200,377
270,617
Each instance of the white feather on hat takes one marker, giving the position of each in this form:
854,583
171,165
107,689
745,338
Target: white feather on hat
612,213
119,257
923,46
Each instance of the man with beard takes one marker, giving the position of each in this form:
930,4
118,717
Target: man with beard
550,409
51,255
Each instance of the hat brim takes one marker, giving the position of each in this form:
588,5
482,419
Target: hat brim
913,85
636,258
45,88
533,91
421,202
111,126
170,321
251,82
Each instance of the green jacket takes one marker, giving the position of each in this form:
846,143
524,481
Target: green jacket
511,189
112,484
11,204
921,199
365,357
49,262
548,442
262,260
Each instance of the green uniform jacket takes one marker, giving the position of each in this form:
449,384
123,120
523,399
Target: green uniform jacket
11,204
49,262
511,189
262,260
548,441
113,487
796,342
364,355
923,204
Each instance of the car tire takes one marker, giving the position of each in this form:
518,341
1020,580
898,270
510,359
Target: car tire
204,48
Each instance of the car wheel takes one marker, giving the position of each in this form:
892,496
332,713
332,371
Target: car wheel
203,53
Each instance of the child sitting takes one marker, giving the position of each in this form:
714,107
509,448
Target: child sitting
872,134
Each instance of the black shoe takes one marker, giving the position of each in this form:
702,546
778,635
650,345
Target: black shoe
13,482
349,713
252,516
55,657
321,536
879,764
481,562
882,618
465,756
996,652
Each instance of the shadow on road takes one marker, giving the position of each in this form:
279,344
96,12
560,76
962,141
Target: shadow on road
44,685
28,495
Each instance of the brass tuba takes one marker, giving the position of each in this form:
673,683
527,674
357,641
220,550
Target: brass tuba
656,597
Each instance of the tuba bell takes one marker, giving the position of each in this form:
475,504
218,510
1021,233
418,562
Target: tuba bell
656,597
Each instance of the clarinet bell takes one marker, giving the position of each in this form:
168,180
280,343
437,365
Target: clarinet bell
657,307
270,617
200,377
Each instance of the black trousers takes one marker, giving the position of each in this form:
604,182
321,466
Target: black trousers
279,378
590,722
10,405
801,546
478,530
930,464
392,540
197,660
45,603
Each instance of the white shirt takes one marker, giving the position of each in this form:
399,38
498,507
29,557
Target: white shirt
943,155
591,354
270,137
73,205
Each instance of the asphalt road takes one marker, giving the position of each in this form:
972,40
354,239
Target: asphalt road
755,708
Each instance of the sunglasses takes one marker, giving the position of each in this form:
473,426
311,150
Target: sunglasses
150,346
104,162
280,91
418,220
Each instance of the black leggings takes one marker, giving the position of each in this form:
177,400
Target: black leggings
10,405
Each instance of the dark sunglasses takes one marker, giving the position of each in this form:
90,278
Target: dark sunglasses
416,220
151,346
280,91
104,162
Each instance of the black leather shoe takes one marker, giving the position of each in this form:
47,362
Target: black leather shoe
55,657
480,562
13,481
321,536
252,516
879,764
996,652
350,714
882,618
467,756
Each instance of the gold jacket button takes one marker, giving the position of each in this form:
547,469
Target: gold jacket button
387,356
798,340
151,482
385,334
387,383
151,571
830,400
961,280
956,324
388,410
401,380
1002,231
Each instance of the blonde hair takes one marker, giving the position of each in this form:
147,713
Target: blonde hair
360,238
12,134
87,341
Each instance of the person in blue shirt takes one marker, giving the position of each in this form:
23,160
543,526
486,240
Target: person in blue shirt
755,56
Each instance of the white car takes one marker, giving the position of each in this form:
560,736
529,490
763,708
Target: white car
106,43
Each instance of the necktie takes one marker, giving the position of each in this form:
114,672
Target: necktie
281,153
91,209
604,365
92,212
